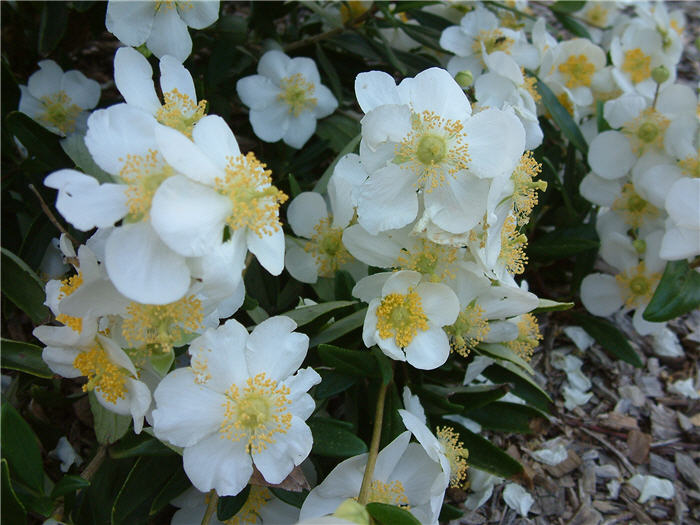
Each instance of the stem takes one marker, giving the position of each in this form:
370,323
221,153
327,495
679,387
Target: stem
332,32
656,95
51,216
374,446
95,463
211,506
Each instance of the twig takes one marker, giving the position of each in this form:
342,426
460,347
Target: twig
47,211
374,446
331,32
211,506
95,463
612,449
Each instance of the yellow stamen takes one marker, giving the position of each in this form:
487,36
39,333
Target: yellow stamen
597,15
528,337
250,511
646,131
434,147
493,40
470,328
143,174
637,287
162,325
256,412
326,247
513,246
430,259
255,201
296,93
391,493
690,166
60,112
456,454
637,65
102,374
180,112
530,85
578,71
401,316
68,286
633,207
525,189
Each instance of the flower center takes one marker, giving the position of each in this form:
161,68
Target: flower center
633,207
530,85
143,175
254,200
577,70
180,112
433,260
59,111
525,189
513,246
637,65
690,166
493,40
160,326
391,493
256,412
68,286
470,328
101,373
326,247
435,146
296,93
456,454
401,316
647,130
250,511
528,337
637,287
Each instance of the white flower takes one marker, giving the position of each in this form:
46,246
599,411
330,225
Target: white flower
260,508
162,25
219,188
133,77
286,98
57,100
404,475
238,404
682,237
421,144
405,317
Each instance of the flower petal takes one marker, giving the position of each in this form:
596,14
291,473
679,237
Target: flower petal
169,35
133,76
600,294
257,91
428,349
173,75
275,348
387,200
130,22
268,250
375,88
220,464
305,212
610,155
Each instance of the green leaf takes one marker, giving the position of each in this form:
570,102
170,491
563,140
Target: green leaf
333,438
503,353
563,243
430,20
39,141
505,417
162,362
305,314
484,455
449,513
68,484
560,116
352,362
338,130
109,427
524,385
24,357
567,6
385,514
677,293
546,305
473,397
322,183
385,366
145,481
52,26
228,506
75,148
436,401
21,285
295,499
330,72
294,188
601,123
94,504
333,383
12,509
20,447
340,328
572,25
609,337
134,445
176,485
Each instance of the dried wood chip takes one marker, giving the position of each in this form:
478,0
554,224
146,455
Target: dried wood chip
605,506
586,515
661,467
588,478
638,444
633,394
295,482
617,421
663,423
572,462
688,469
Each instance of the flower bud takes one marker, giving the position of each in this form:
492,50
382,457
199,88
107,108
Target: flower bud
352,511
660,74
464,78
639,245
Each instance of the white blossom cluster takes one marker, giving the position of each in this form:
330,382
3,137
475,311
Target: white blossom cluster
436,200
